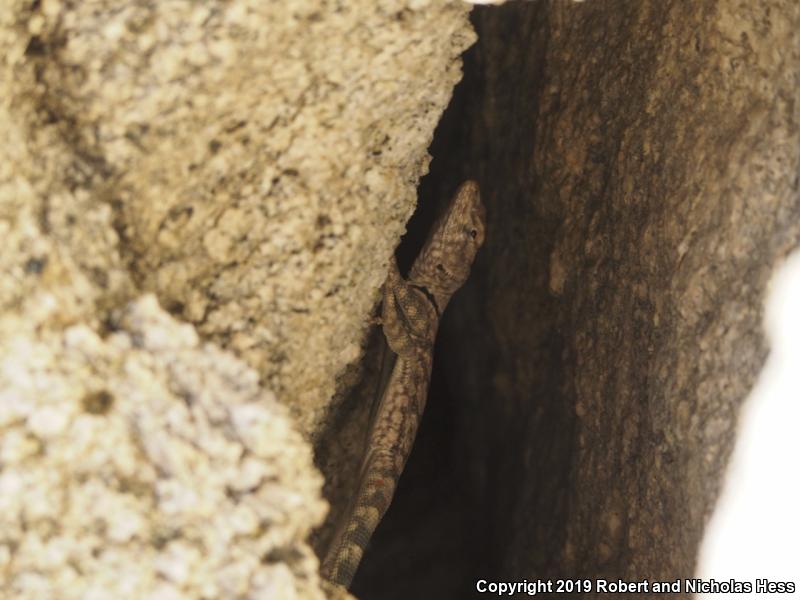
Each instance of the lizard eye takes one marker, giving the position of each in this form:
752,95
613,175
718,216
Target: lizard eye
440,268
473,233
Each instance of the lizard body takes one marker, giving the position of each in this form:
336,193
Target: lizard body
410,318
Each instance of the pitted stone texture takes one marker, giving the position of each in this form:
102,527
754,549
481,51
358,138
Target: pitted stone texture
252,164
148,465
122,459
261,157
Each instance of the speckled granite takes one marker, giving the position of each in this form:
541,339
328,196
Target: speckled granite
148,465
251,165
260,158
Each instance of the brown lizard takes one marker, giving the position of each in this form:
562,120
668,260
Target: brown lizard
410,317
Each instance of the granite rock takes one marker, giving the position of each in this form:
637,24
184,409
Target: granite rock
249,168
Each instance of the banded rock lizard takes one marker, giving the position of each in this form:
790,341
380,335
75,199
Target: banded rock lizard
410,318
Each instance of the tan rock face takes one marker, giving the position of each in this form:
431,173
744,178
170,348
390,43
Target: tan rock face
148,465
263,156
252,164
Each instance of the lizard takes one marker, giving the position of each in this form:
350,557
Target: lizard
410,315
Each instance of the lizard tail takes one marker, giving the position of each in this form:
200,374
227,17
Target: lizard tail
375,492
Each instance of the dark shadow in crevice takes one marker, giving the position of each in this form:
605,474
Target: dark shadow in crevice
426,542
420,543
497,424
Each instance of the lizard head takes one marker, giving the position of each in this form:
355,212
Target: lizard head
445,260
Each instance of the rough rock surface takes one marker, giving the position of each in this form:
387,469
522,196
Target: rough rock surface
148,465
252,165
639,162
261,158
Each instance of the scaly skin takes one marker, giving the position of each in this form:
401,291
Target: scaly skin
410,318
